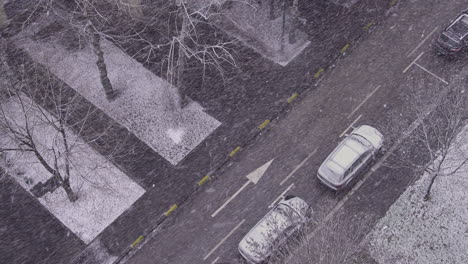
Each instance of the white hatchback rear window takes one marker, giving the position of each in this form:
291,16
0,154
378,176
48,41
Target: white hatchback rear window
348,154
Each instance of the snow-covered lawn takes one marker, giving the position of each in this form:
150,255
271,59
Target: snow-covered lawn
141,106
250,23
436,231
104,192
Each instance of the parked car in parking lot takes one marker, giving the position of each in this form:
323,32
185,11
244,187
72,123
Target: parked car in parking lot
350,157
454,38
273,229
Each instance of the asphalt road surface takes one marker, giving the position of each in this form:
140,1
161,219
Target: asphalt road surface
368,86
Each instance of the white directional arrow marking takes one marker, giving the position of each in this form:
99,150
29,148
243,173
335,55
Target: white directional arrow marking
253,177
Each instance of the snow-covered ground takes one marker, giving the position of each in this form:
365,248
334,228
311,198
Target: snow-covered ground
418,232
142,105
104,192
249,22
345,3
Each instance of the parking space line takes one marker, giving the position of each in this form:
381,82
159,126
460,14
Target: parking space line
416,123
355,120
281,196
224,239
365,99
298,166
426,70
413,62
424,40
214,261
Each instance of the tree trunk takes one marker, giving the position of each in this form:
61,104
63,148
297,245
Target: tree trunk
295,22
3,17
70,193
272,9
106,84
283,26
180,68
427,196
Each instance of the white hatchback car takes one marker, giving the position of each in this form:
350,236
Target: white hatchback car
351,155
273,229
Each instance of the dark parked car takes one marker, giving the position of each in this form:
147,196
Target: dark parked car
454,38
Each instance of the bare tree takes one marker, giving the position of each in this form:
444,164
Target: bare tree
181,28
181,36
22,126
190,45
87,19
177,22
442,115
31,134
283,7
439,132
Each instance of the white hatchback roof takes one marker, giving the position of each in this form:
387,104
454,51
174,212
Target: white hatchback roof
346,153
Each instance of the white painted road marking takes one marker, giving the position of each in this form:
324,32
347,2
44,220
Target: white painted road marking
416,123
298,166
344,132
440,79
414,61
253,177
281,196
224,239
424,40
214,261
426,70
230,199
365,99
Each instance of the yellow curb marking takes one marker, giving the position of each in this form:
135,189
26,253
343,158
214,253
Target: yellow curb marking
264,124
294,96
392,3
346,47
317,74
138,240
369,25
173,207
234,152
203,180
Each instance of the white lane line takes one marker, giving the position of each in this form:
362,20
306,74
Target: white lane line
424,40
214,261
416,123
440,79
344,132
281,196
365,99
413,62
224,239
230,199
298,167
